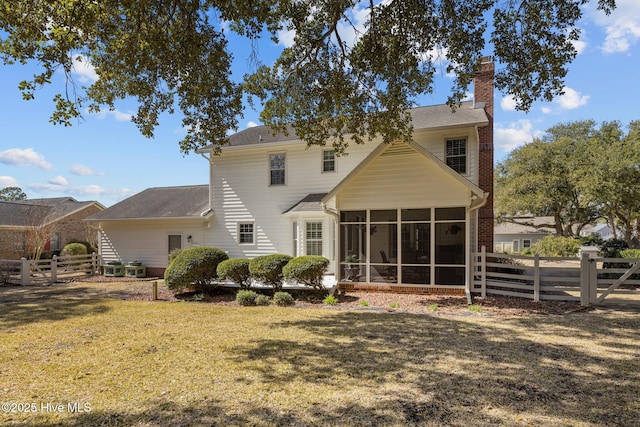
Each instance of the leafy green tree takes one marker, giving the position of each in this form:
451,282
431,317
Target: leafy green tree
539,179
611,178
339,77
12,193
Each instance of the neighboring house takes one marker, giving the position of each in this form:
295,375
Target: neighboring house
403,214
49,223
601,229
510,237
147,226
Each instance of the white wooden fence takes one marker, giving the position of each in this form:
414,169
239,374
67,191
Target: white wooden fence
587,280
27,272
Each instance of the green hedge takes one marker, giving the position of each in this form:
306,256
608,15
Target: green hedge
556,246
307,269
74,249
194,268
268,269
630,253
236,270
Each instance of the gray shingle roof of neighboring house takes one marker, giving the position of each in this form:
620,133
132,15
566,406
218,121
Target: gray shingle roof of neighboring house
159,203
30,212
431,117
512,228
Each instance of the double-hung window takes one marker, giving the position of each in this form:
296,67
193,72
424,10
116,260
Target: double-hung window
246,233
314,238
328,161
456,154
277,163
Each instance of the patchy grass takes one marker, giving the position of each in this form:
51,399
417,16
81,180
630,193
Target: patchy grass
140,363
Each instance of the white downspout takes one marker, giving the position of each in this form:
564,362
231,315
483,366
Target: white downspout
336,235
210,207
472,209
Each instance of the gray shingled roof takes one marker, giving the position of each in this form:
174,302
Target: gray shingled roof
26,213
159,203
431,117
512,228
310,203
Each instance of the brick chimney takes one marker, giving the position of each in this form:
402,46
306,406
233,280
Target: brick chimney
483,93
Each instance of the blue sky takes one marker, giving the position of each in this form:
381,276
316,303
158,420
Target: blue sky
105,158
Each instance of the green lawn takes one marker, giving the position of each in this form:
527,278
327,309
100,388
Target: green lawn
140,363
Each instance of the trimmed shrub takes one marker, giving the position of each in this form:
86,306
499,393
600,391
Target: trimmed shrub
262,299
282,299
307,270
246,297
90,249
330,300
556,246
236,270
268,269
194,268
74,249
612,248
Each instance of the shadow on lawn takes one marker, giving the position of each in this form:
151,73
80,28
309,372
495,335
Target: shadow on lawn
24,305
442,370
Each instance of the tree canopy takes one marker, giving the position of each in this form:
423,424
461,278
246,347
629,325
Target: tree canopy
577,174
12,193
337,78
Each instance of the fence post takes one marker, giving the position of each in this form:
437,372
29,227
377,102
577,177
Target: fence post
483,271
25,272
54,269
593,281
585,280
94,263
536,278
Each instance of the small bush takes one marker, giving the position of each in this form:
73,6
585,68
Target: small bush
90,249
268,269
194,268
236,270
246,298
282,299
263,299
307,270
556,246
74,249
330,300
630,253
612,248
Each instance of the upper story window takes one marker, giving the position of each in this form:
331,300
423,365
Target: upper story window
456,154
277,169
328,161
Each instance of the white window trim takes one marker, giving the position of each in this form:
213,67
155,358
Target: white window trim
335,161
467,149
286,180
253,233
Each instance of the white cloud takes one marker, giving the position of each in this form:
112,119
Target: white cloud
579,45
252,124
546,110
286,37
83,69
59,181
24,157
82,170
571,99
622,27
8,181
508,103
115,113
513,135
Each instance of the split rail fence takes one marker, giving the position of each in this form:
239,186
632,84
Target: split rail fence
26,272
587,280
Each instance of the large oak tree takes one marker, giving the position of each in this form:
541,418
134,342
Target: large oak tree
337,78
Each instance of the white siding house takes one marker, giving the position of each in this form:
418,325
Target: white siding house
402,214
